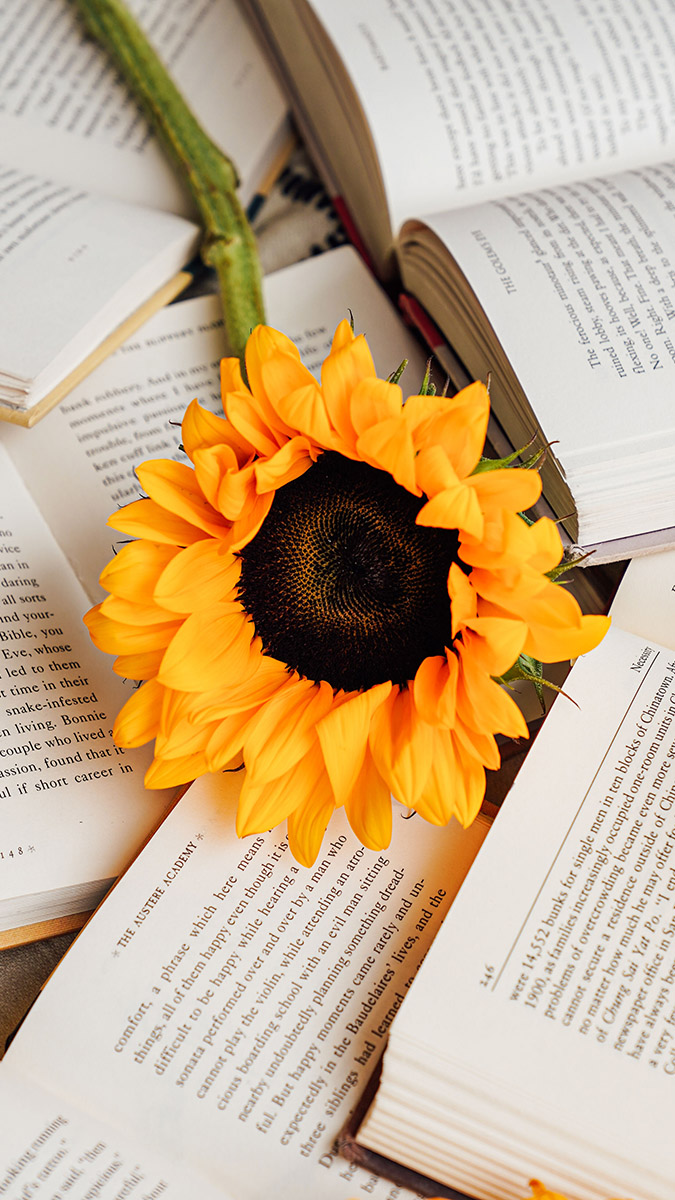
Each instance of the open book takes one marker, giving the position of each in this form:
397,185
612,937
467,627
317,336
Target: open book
511,161
73,806
222,1011
537,1039
92,218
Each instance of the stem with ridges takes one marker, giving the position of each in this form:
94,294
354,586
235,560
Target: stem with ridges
229,246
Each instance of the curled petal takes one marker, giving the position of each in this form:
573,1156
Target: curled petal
463,599
291,461
435,689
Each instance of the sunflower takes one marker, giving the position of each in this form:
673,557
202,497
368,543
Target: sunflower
328,593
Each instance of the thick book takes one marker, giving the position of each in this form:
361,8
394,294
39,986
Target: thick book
512,164
93,222
536,1039
73,806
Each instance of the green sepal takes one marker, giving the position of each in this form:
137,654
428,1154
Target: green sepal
428,388
496,464
530,669
567,563
396,375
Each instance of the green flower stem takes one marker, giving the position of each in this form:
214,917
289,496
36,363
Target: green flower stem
229,245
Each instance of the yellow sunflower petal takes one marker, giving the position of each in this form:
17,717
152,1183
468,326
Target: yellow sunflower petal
269,357
556,645
243,414
127,612
266,676
285,728
135,569
226,738
463,599
343,735
202,429
341,372
244,530
145,519
114,638
457,508
389,447
368,806
138,666
484,705
198,577
444,794
175,487
213,465
508,488
137,722
208,648
343,336
304,409
263,805
292,460
171,772
307,822
373,401
497,642
435,689
461,427
401,744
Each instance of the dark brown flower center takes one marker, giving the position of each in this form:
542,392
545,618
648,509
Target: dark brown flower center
341,583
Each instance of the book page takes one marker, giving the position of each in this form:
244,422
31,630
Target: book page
64,109
72,805
226,996
52,1151
130,408
468,102
593,261
73,266
646,598
563,999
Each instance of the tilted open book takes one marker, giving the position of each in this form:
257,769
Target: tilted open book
92,218
73,806
467,142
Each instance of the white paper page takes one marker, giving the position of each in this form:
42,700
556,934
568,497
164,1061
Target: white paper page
466,102
564,996
645,601
73,808
122,413
237,999
63,109
594,262
51,1151
72,266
